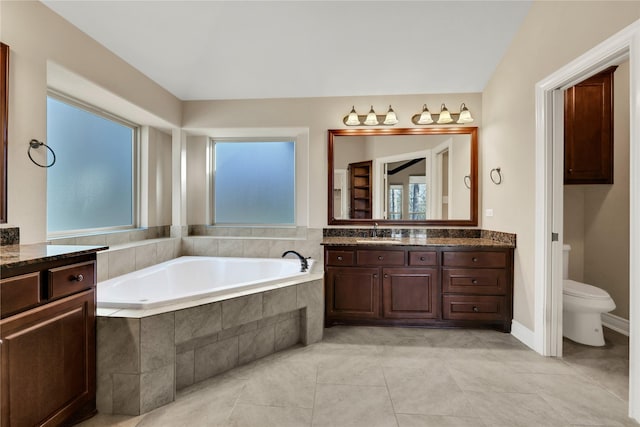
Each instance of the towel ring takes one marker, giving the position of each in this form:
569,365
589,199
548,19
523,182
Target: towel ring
467,181
34,143
497,181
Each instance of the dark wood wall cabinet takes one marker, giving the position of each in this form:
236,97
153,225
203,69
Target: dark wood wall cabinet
588,130
419,286
48,347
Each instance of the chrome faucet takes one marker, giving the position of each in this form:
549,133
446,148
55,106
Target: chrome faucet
304,265
374,233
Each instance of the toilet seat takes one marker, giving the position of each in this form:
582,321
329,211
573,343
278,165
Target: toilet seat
583,290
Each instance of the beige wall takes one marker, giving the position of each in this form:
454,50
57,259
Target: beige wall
315,114
37,38
552,34
602,258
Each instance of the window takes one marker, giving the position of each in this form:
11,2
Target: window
417,197
254,182
91,185
395,201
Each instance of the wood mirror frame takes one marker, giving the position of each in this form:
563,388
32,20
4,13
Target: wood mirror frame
4,114
473,174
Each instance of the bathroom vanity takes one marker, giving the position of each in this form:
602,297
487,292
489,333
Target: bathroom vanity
47,332
438,282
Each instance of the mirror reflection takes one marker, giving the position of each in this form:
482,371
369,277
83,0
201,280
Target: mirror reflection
403,175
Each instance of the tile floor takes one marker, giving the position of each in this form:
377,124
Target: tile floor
365,376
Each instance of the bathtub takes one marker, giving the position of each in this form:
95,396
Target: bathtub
194,278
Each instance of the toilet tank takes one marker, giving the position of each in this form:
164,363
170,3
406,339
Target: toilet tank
565,261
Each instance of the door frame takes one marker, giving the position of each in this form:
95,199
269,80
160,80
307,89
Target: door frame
549,181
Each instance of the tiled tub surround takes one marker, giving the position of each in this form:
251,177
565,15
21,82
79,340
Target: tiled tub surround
143,361
252,242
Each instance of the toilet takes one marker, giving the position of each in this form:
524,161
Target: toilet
582,306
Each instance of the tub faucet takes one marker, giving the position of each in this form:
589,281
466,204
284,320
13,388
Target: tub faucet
304,265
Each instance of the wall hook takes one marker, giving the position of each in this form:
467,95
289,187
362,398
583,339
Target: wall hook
34,143
496,171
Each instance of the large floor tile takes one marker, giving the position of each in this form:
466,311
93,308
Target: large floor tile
406,420
428,391
245,415
282,384
356,406
514,410
356,370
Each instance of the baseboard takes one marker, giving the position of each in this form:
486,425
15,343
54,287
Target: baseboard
523,334
616,323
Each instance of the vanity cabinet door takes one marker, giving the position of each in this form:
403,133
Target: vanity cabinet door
352,292
410,293
48,362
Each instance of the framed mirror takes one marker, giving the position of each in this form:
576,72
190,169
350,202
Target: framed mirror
4,113
411,176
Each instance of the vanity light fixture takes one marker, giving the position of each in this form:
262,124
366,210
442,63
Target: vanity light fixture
352,119
390,118
425,117
444,117
465,115
371,119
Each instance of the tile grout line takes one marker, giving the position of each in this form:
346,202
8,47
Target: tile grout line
395,414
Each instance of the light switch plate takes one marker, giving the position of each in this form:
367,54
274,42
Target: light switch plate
489,212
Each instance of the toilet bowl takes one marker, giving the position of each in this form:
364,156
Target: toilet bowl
582,306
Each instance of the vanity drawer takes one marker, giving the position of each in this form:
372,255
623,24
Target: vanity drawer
417,258
488,281
474,259
339,257
463,307
70,279
19,293
383,258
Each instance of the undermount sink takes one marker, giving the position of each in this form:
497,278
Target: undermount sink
384,240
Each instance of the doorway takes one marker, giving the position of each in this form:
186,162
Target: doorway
549,194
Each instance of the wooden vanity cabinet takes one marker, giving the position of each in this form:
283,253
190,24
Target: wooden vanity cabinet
48,351
407,285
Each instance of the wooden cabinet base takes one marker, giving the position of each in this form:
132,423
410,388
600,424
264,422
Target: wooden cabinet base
444,287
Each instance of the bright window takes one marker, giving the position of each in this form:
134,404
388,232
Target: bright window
395,201
91,185
254,182
417,197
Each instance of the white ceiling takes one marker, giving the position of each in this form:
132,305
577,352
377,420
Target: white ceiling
281,49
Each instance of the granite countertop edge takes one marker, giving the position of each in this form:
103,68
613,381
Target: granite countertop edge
473,242
14,256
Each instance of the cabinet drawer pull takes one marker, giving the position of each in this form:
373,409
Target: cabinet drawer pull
375,276
475,309
386,276
339,257
474,259
78,278
421,258
380,258
474,281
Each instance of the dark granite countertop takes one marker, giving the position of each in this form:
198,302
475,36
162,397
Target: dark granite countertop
12,256
468,242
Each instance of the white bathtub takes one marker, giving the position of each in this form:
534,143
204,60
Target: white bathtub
191,278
